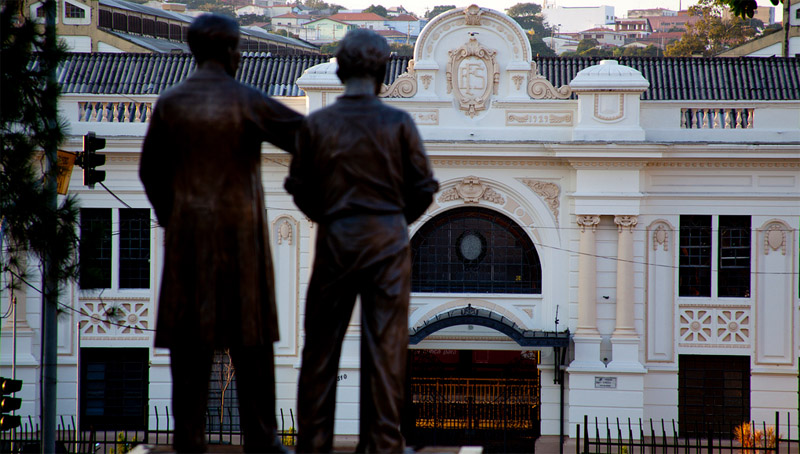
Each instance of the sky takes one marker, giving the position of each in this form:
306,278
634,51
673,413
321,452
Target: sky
419,7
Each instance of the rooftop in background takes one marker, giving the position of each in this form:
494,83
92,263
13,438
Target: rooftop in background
671,79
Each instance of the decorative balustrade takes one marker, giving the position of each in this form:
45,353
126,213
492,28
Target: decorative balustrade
717,118
115,111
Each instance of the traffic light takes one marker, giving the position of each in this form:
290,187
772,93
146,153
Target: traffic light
8,404
90,160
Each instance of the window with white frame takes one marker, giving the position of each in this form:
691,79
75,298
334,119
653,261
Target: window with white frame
708,258
106,233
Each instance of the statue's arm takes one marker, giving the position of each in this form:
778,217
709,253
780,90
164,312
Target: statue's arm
302,180
279,124
156,169
418,182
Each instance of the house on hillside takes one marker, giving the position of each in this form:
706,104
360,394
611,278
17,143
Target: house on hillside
604,36
633,28
292,23
116,26
325,30
362,20
407,24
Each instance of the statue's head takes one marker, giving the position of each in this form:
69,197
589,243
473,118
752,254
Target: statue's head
362,53
213,37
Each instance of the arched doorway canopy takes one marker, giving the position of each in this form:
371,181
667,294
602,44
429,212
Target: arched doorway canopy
474,250
483,317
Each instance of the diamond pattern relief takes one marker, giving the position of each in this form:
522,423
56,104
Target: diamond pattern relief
114,319
715,326
696,325
95,322
733,326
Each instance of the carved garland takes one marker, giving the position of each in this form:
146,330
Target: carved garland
541,88
471,190
775,238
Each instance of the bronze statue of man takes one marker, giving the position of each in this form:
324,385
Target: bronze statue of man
362,174
201,169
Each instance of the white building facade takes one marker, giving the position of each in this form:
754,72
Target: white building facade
651,227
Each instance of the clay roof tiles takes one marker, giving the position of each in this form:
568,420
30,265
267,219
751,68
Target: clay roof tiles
743,78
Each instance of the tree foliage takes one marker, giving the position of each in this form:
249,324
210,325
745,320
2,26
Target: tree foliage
28,125
402,50
438,10
539,47
746,8
377,9
250,19
712,33
529,17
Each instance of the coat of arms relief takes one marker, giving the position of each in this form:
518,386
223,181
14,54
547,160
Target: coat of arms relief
472,76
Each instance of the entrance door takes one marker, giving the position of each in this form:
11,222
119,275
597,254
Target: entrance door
478,397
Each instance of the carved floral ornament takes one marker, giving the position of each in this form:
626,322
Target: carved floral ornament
588,220
405,86
626,222
549,192
473,75
471,190
541,88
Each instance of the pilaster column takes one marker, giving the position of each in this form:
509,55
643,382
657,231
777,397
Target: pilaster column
624,326
587,277
624,340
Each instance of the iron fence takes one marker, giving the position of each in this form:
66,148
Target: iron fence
629,437
87,440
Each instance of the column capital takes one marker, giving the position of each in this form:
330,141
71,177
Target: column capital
626,222
588,220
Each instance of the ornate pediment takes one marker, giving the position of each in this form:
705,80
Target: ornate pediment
473,75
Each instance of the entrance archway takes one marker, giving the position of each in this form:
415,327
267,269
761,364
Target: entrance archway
473,396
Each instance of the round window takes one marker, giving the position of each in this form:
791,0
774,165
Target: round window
471,246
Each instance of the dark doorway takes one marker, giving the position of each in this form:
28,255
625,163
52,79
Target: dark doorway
713,394
477,397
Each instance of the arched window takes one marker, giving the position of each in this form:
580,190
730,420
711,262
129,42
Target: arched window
474,250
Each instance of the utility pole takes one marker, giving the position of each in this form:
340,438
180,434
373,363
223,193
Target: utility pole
49,357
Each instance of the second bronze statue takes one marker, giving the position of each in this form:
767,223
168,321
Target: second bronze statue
362,174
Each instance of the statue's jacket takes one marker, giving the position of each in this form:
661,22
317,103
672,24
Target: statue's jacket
200,167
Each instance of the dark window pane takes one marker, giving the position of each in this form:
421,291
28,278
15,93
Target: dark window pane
134,248
734,256
695,256
713,394
474,250
95,248
114,385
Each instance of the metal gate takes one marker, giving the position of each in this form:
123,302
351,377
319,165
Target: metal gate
500,414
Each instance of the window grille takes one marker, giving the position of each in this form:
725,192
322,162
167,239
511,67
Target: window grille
134,248
474,250
134,24
223,401
734,256
73,12
695,256
95,248
713,394
106,19
114,388
120,22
